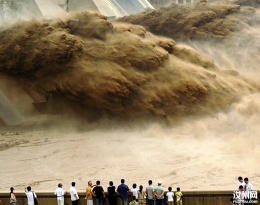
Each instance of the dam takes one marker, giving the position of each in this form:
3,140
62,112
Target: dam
11,10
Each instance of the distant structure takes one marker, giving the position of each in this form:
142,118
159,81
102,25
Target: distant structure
4,6
161,3
11,10
110,8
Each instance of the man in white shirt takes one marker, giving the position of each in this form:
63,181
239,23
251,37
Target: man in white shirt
60,194
248,188
73,194
30,195
240,182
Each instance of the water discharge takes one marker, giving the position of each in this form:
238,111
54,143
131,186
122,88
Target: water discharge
119,69
205,80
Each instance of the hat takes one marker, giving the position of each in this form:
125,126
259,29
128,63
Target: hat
159,182
60,185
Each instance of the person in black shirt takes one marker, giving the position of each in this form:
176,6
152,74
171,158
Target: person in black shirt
111,193
99,193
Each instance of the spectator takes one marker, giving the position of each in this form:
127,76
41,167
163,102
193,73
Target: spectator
12,196
248,188
133,202
240,182
241,195
111,193
134,190
159,194
73,194
30,196
141,196
149,193
89,194
123,190
99,193
170,196
60,194
178,195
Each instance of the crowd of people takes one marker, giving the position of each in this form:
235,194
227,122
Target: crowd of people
243,194
153,195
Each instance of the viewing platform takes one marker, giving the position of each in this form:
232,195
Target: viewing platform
189,198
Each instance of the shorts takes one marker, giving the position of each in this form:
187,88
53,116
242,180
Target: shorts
89,202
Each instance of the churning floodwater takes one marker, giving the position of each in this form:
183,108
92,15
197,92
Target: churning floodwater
184,79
